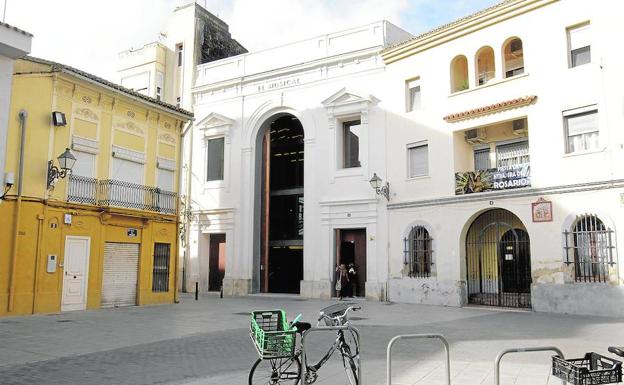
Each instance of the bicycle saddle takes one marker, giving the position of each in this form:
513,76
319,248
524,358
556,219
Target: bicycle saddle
619,350
302,326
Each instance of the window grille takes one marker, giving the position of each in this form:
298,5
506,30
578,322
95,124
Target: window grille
160,275
512,154
418,252
589,247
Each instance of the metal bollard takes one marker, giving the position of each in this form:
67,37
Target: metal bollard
196,290
413,336
221,293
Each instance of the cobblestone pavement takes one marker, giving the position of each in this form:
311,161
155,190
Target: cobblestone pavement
206,342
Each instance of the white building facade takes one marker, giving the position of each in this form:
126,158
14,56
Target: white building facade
14,44
284,145
505,154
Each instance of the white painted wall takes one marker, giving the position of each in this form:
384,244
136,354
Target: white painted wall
13,44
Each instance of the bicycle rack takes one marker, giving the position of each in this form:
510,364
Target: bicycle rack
414,336
522,350
324,329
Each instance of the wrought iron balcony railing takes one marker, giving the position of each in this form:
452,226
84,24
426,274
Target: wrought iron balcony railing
117,193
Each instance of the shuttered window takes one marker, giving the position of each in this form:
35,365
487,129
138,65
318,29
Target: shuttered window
127,171
85,164
418,160
119,279
165,180
581,131
160,274
214,159
482,159
579,40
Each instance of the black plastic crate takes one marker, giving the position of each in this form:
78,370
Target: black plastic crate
593,369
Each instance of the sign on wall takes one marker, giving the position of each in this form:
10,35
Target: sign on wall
542,210
500,178
132,232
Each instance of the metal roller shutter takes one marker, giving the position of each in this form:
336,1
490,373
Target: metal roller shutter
119,282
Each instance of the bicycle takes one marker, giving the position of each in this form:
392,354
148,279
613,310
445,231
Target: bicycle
279,359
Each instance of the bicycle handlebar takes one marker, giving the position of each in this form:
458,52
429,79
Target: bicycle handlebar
338,315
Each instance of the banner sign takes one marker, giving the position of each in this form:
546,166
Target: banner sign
493,179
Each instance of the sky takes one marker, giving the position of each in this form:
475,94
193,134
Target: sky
89,34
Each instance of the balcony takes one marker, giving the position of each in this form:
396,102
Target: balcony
115,193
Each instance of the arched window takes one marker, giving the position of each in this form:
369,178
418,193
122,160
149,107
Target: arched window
485,65
513,57
589,247
459,74
418,252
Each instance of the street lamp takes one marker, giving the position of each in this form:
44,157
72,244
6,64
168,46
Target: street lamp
376,184
66,162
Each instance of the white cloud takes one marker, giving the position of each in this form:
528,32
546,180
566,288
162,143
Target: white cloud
88,34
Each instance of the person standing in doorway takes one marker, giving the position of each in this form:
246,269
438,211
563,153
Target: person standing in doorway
352,276
342,280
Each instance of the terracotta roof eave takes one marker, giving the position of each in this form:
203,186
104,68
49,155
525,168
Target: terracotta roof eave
490,109
58,67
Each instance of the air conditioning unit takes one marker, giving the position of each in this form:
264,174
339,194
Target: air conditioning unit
519,127
475,136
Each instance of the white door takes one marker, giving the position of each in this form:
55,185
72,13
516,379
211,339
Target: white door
76,273
119,281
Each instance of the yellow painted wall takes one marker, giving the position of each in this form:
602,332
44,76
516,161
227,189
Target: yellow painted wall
42,232
92,112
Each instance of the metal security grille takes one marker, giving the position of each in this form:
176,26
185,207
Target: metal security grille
119,278
418,252
160,275
498,261
512,154
589,248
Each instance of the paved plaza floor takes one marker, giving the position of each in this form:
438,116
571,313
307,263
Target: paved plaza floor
205,342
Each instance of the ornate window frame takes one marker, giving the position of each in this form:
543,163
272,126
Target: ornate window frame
216,126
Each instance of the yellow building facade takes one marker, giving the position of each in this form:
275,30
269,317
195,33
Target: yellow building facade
106,234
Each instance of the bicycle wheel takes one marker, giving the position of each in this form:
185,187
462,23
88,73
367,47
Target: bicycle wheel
350,364
275,371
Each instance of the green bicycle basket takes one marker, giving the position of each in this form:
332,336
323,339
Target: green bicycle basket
270,334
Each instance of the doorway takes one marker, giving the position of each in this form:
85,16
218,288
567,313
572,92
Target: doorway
498,261
76,273
216,262
282,203
351,251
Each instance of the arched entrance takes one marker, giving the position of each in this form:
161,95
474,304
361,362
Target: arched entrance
498,260
281,214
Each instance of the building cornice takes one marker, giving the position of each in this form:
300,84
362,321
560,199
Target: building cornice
461,27
510,194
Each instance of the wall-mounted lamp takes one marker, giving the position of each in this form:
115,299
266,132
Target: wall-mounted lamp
376,184
58,118
66,163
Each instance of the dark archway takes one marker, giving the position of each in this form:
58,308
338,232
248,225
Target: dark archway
498,260
281,262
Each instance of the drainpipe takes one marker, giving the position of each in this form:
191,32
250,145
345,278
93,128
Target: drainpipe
22,117
188,201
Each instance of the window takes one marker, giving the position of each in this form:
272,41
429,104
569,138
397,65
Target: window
418,252
482,159
579,45
214,156
127,171
581,130
351,134
178,101
82,186
459,74
180,53
514,58
512,154
159,85
165,180
418,160
413,94
589,248
485,65
160,273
